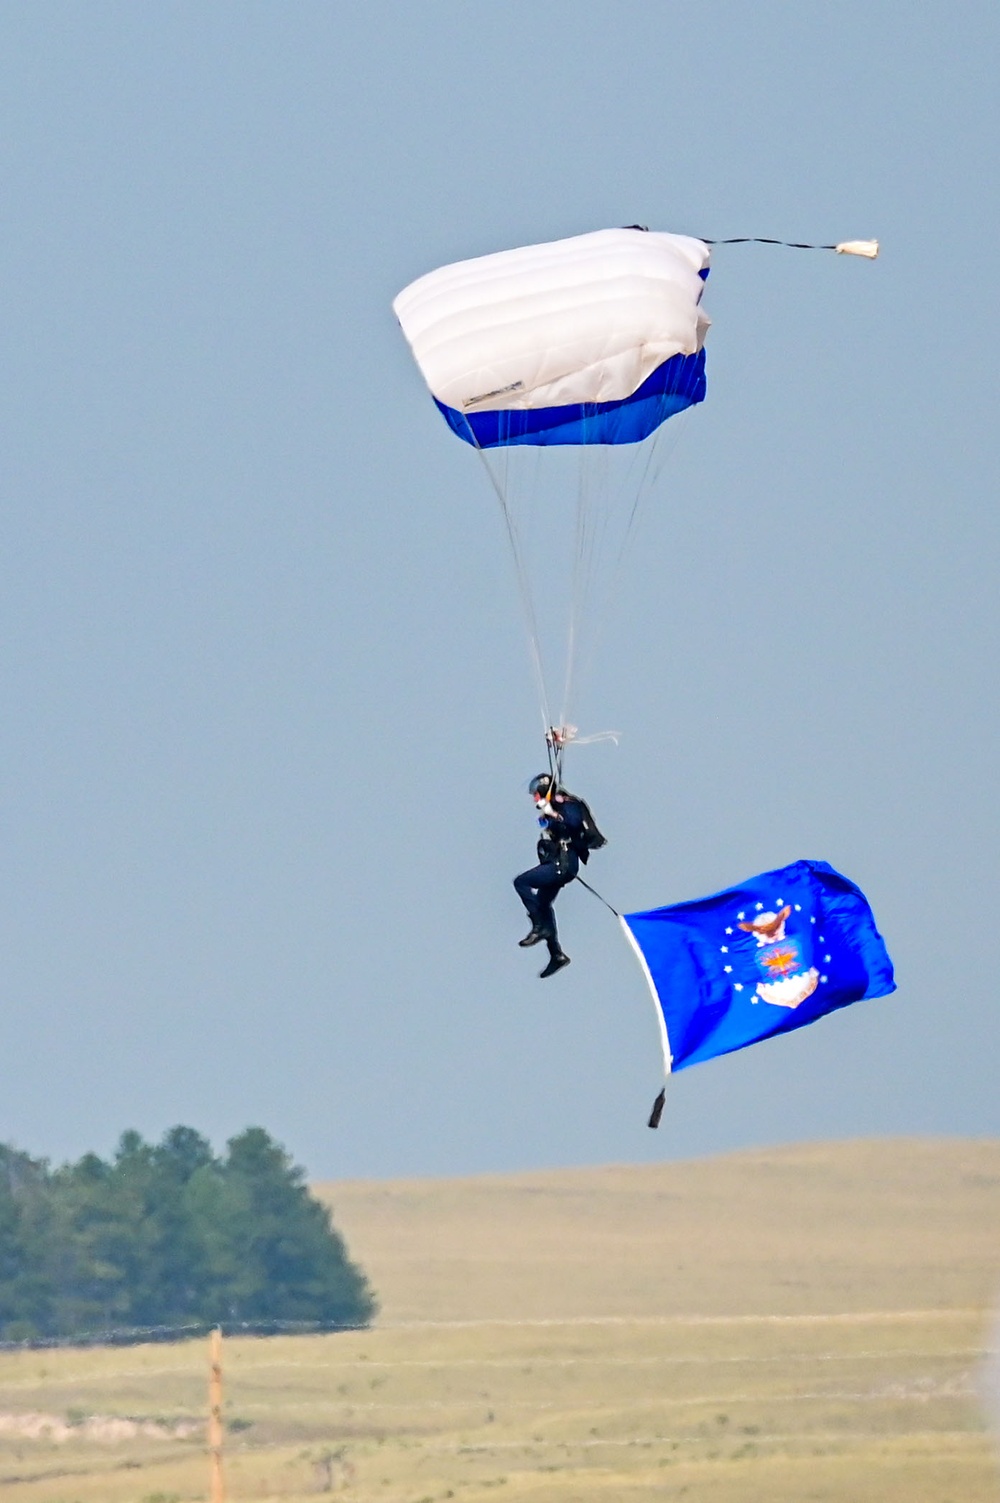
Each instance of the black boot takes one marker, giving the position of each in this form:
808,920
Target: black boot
556,963
533,937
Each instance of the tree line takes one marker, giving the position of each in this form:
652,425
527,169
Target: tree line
169,1235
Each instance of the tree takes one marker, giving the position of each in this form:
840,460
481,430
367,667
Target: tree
290,1263
172,1236
25,1218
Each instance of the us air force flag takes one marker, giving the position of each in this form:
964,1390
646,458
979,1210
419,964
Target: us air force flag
771,955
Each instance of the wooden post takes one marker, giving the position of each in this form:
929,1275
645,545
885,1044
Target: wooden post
218,1485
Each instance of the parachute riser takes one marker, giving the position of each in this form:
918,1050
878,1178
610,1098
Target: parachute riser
556,741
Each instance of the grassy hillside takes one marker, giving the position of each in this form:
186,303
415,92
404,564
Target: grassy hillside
828,1227
804,1323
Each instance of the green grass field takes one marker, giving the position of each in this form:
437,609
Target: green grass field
799,1324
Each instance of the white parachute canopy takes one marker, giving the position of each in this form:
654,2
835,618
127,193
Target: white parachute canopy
584,320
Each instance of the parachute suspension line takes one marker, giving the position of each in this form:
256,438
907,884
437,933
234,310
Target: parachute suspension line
574,606
582,571
524,590
601,489
659,452
610,500
579,534
609,496
523,583
601,501
643,488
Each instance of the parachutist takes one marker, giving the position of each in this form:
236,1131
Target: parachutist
568,835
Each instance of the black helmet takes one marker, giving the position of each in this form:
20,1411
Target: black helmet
541,784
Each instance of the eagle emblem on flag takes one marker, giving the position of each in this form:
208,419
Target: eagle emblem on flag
786,977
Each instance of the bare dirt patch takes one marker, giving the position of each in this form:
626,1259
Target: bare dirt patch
107,1429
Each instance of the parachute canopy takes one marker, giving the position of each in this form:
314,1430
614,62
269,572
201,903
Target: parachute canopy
773,954
592,340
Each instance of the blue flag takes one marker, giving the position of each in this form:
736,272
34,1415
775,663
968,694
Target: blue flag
771,955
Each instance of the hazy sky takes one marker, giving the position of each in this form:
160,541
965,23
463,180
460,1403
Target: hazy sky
267,714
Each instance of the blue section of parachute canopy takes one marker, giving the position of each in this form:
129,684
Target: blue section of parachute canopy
775,953
675,385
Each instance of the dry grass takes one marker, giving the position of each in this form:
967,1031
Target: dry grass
798,1324
883,1225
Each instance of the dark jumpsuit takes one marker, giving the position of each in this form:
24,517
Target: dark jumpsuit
558,864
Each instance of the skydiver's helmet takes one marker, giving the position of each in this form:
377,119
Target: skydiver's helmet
541,786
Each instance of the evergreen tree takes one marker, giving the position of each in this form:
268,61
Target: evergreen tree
25,1292
169,1235
292,1263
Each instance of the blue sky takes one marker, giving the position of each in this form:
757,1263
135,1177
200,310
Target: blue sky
267,714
